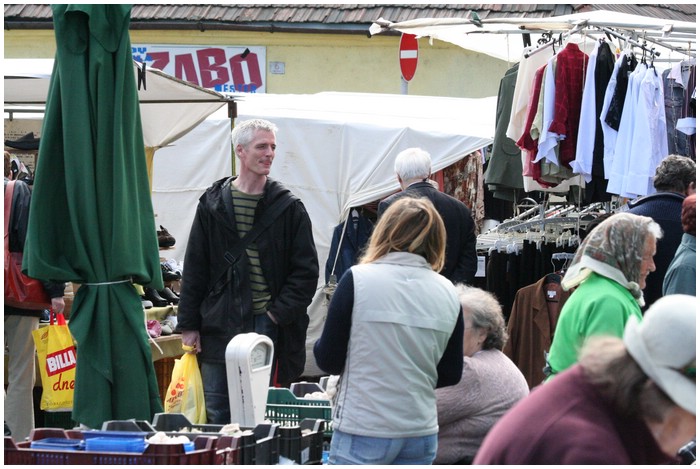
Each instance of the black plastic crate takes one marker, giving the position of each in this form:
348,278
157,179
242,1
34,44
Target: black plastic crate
257,446
303,443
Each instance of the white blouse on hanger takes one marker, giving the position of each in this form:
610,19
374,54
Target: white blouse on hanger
625,146
610,134
650,138
583,163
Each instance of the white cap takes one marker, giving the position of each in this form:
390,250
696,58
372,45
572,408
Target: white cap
663,345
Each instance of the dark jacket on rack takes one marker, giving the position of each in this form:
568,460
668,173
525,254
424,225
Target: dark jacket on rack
460,254
665,209
220,307
357,233
531,328
17,234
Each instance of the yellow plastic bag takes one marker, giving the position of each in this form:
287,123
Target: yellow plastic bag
57,359
185,393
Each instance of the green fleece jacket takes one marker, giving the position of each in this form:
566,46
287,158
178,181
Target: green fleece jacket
598,306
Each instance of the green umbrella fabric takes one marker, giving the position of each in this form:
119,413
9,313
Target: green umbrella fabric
91,219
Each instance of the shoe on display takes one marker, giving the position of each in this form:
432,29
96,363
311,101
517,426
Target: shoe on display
165,239
169,296
146,304
152,295
167,326
168,274
45,317
174,265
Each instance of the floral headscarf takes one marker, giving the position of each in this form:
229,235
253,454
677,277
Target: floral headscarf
614,249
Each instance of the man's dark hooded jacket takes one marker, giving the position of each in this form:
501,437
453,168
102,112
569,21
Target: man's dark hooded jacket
219,307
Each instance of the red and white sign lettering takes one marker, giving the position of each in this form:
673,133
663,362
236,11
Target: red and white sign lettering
223,69
408,55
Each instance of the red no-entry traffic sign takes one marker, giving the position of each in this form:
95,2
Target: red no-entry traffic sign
408,55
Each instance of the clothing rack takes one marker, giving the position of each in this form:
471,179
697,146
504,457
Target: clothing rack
594,29
632,41
542,224
561,37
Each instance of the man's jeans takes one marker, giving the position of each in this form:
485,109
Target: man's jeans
215,382
354,449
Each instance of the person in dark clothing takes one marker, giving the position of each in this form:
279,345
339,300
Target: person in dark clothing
20,322
413,168
674,180
266,289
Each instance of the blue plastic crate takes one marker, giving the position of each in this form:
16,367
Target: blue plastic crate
115,445
60,444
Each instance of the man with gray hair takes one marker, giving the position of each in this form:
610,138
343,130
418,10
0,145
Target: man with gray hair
674,180
413,167
233,283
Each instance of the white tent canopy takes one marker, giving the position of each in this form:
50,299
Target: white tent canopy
336,151
500,37
170,107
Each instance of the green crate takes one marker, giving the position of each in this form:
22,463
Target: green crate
286,409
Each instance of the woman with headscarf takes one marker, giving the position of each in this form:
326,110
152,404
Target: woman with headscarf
609,272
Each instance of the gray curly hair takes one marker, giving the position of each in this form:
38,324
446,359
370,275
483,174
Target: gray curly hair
484,311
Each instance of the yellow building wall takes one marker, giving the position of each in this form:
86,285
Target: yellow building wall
322,62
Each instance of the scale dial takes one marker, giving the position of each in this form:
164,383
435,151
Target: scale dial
259,356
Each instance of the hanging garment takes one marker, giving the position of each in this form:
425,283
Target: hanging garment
583,162
531,325
551,172
357,233
505,168
624,145
571,66
675,81
464,180
610,133
522,92
686,123
649,137
618,99
547,141
595,189
526,142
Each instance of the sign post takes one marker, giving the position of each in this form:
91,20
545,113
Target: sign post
408,59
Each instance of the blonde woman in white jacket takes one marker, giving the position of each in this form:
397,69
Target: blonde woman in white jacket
393,334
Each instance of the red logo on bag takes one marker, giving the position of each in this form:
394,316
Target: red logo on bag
60,361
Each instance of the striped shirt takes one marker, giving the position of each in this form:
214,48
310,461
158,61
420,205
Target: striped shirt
244,209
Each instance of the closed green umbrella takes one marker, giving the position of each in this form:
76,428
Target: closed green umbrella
91,219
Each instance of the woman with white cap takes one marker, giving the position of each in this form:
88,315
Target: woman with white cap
627,401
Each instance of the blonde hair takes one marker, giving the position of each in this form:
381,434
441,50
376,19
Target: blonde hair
409,225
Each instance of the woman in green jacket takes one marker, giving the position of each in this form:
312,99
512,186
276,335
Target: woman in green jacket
609,272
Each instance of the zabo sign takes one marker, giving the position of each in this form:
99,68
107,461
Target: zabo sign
408,55
221,68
